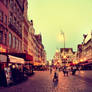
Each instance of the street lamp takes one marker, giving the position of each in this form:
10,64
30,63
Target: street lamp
62,33
84,36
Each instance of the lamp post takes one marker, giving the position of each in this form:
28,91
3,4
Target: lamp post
84,36
62,33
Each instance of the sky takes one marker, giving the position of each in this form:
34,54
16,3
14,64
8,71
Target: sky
50,17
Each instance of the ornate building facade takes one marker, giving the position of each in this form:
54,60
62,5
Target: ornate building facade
36,48
17,35
4,31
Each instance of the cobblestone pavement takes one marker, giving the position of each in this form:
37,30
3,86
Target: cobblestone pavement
41,81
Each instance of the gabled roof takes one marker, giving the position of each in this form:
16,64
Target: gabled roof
65,49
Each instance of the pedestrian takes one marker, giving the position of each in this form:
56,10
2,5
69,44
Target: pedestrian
65,71
74,70
3,81
55,78
50,70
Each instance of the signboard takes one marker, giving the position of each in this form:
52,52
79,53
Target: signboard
3,58
2,48
8,75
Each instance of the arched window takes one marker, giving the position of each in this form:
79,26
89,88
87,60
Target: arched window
1,37
10,39
13,42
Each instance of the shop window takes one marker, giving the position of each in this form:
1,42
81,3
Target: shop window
1,16
1,37
10,40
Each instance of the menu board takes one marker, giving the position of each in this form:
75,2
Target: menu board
8,75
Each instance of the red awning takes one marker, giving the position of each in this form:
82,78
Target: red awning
29,57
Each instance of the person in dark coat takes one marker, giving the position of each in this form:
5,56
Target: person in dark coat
3,81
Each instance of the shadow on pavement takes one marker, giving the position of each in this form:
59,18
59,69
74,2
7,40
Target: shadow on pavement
55,83
88,80
20,82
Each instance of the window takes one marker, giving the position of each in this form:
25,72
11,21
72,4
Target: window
1,36
11,4
6,3
10,39
11,18
16,43
1,16
5,19
14,20
13,42
5,39
1,1
20,46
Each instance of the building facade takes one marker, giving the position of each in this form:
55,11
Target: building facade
35,47
25,29
67,55
16,9
57,58
17,35
84,51
4,31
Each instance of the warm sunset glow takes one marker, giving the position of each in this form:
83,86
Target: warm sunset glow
73,17
64,56
81,60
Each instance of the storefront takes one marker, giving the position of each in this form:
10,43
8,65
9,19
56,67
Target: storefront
87,65
4,70
16,62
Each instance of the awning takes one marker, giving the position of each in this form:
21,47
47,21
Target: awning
14,59
29,57
87,64
89,60
25,56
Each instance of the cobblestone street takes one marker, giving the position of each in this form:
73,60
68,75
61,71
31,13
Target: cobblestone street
41,81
